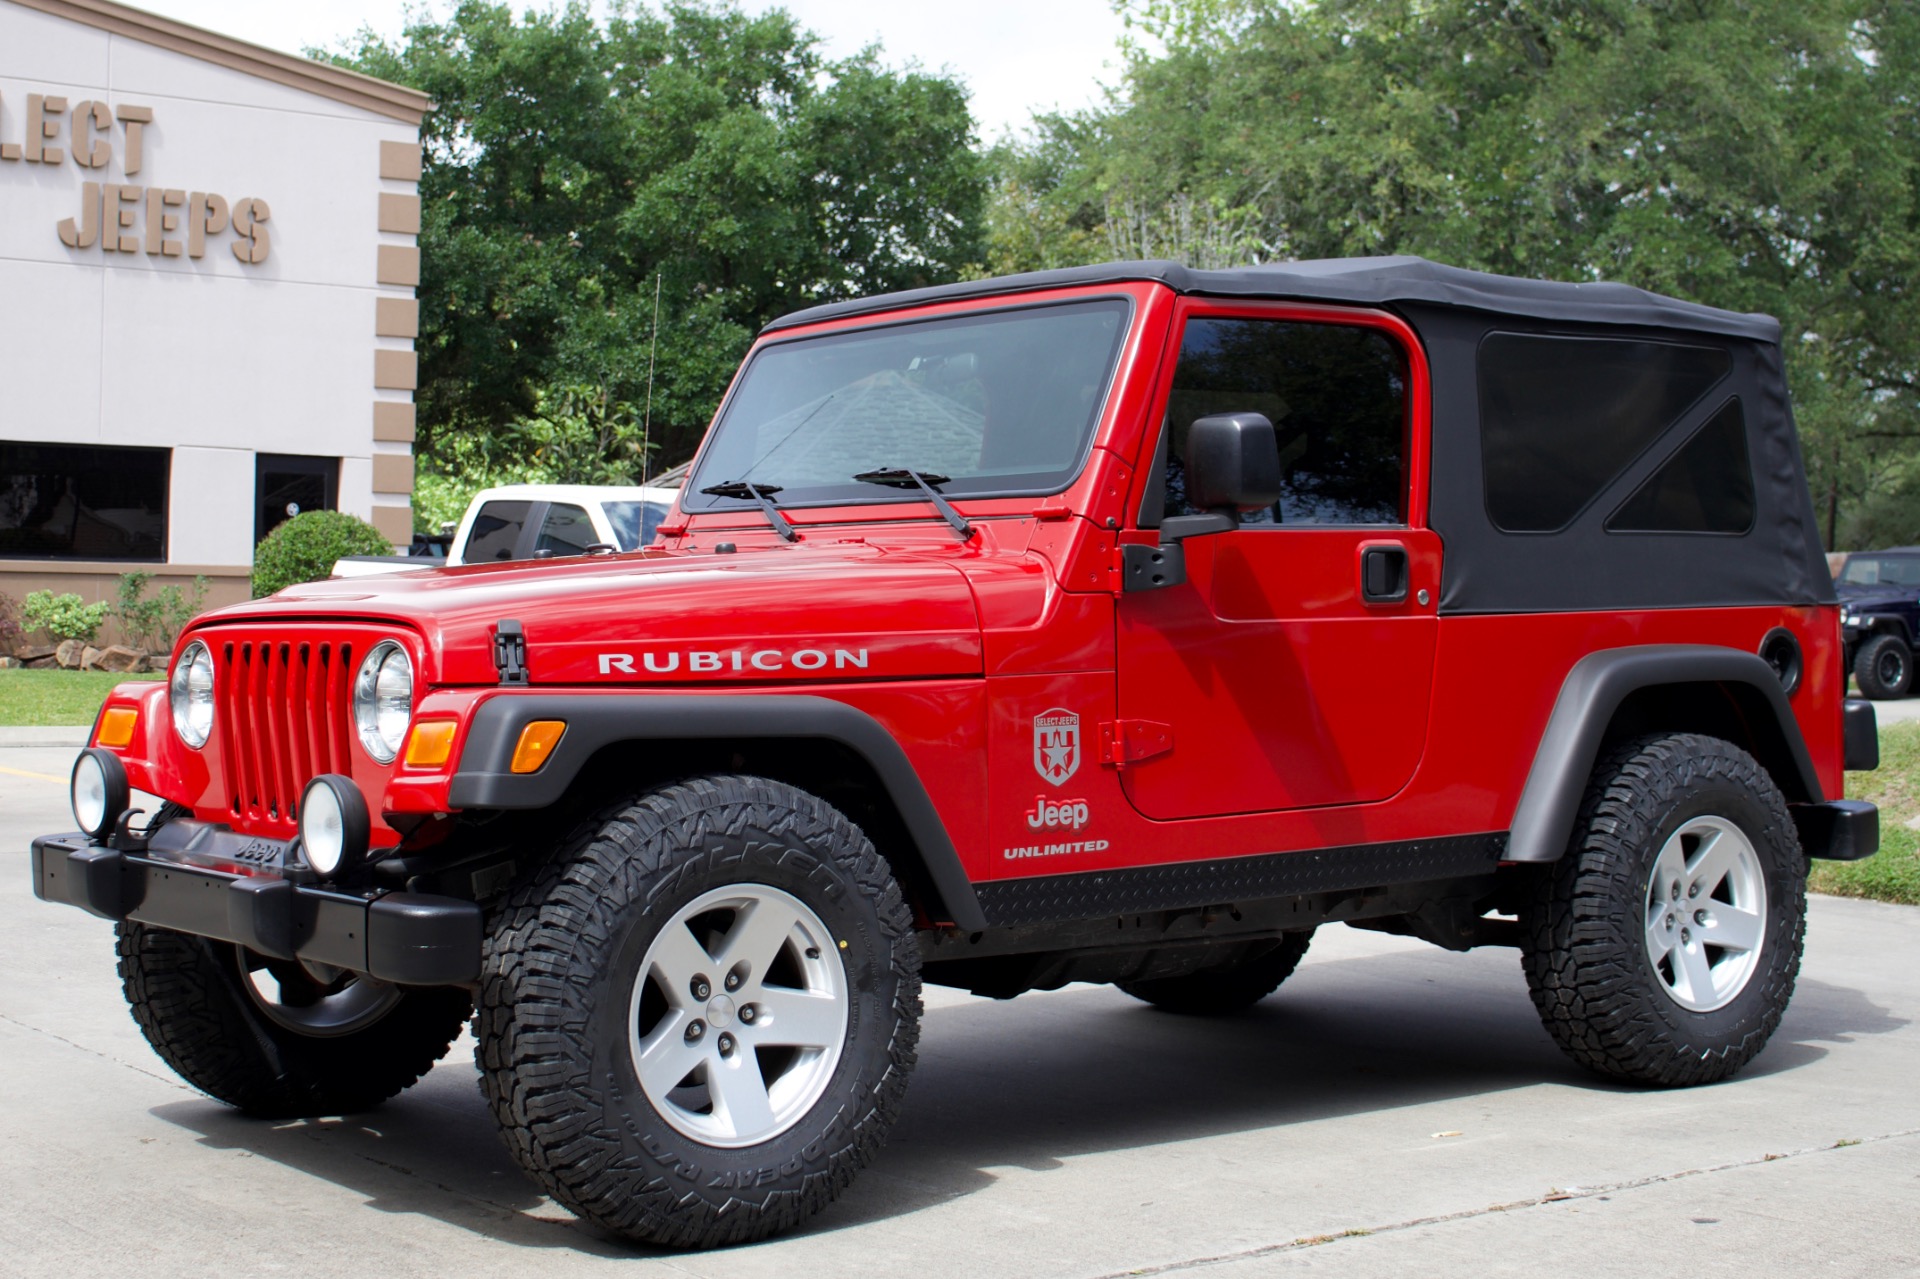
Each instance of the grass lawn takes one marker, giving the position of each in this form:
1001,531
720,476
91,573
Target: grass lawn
36,698
1892,874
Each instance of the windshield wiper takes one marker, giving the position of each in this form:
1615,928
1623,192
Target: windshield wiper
901,477
759,493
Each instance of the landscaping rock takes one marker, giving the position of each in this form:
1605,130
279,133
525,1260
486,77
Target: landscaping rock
67,654
34,652
8,663
89,658
120,658
40,663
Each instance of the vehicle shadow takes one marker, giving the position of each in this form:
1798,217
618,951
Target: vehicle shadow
1041,1080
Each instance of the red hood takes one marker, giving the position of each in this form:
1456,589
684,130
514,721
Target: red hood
841,611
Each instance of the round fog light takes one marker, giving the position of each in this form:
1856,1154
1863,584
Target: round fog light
334,824
99,791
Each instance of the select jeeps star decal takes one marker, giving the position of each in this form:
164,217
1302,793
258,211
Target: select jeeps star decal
1056,745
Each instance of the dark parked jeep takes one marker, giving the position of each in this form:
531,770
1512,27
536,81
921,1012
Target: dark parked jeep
1879,617
1122,624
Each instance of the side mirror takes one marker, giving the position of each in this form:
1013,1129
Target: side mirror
1233,465
1233,462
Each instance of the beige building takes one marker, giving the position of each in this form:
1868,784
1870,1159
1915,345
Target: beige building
207,313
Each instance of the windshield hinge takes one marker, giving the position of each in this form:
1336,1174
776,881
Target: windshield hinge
510,651
1128,741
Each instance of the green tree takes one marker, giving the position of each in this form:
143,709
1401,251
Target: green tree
574,169
1759,155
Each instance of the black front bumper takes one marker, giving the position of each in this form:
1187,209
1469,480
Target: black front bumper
206,880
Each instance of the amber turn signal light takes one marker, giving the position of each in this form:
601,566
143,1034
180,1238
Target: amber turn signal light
116,726
430,743
537,741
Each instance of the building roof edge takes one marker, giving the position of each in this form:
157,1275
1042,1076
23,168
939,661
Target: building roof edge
322,79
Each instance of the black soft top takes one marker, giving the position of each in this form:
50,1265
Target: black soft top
1581,565
1355,281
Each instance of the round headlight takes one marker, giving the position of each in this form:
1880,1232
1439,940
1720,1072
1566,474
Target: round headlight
383,700
99,791
191,693
334,824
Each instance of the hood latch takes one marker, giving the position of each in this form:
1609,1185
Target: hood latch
510,651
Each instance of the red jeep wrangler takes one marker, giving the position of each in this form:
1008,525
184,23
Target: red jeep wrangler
1121,624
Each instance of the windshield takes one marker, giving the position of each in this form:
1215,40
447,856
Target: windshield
634,523
1001,403
1881,570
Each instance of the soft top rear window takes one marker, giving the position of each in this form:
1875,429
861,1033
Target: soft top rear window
998,403
1562,417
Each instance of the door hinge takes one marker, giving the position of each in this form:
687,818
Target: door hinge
510,652
1128,741
1140,567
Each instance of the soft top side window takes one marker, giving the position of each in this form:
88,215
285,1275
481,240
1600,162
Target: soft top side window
1337,397
1705,487
1562,417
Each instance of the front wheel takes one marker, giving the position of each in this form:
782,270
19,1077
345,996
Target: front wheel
281,1039
1662,948
697,1021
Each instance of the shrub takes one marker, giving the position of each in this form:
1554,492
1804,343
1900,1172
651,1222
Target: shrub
152,622
65,617
304,548
10,633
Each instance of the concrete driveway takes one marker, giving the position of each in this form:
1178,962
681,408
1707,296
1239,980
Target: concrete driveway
1395,1110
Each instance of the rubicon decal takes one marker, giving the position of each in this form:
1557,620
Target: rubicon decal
1048,814
1056,745
730,661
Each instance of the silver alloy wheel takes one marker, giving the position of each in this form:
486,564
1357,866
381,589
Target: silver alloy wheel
1706,914
738,1015
324,1003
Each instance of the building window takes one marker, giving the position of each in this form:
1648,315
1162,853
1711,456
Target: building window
83,502
286,484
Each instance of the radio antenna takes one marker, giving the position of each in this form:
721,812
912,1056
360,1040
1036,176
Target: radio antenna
646,421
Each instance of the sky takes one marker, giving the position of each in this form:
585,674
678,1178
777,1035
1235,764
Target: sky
1017,56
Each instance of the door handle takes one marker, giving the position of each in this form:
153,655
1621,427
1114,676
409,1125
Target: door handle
1383,574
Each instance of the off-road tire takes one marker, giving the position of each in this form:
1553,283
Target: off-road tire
186,997
562,956
1214,991
1883,667
1584,928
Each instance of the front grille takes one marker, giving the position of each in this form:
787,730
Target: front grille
284,710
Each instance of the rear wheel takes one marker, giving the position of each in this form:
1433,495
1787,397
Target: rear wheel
697,1020
1663,947
281,1039
1884,667
1213,991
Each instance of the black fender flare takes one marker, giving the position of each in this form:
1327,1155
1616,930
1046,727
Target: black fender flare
484,778
1591,694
